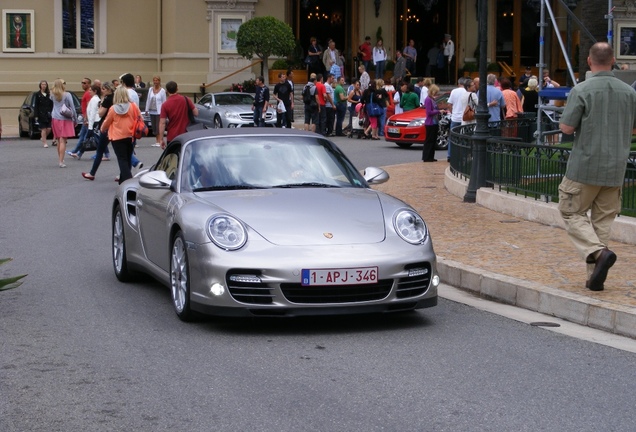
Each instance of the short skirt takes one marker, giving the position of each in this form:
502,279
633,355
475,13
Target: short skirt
63,128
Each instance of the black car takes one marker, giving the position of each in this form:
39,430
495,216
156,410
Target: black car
28,126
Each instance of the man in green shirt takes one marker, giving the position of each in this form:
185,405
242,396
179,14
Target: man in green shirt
340,98
409,99
601,112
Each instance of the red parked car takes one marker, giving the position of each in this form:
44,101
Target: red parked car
407,128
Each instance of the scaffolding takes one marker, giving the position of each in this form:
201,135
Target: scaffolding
561,93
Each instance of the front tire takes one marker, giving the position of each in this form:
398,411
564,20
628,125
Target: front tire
180,278
217,122
120,262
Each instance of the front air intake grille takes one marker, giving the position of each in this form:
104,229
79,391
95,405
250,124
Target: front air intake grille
413,286
249,292
296,293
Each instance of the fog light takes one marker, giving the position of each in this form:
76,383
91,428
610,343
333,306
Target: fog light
217,289
435,280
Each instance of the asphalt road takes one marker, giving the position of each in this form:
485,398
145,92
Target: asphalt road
80,351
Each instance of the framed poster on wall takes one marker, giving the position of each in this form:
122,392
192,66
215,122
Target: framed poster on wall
17,30
626,40
228,26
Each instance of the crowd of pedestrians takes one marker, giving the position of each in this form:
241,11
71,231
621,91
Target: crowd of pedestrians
109,111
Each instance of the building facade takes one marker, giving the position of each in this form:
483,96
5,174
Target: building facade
193,41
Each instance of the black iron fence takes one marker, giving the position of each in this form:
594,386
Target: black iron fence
517,165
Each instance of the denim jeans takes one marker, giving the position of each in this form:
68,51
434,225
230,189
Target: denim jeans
331,116
379,69
102,147
258,116
381,122
341,111
80,141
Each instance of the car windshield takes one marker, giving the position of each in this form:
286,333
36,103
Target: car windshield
253,162
234,99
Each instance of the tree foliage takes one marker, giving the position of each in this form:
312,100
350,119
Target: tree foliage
264,37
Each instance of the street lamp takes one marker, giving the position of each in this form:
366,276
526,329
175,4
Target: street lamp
481,133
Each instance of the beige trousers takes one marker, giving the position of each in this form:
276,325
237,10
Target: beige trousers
588,233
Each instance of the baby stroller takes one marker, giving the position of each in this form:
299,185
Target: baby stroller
358,123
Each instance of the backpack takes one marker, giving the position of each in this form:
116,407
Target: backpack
308,98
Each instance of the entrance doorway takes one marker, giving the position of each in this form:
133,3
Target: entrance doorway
517,34
426,22
323,20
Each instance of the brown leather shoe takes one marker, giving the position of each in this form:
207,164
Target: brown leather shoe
604,262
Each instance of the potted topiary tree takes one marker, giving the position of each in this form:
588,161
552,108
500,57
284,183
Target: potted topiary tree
264,37
278,66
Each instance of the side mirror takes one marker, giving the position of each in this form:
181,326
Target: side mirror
375,175
155,180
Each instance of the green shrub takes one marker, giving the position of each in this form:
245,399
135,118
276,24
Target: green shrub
280,64
11,282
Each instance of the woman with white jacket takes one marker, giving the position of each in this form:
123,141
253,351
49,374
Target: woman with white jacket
156,97
379,59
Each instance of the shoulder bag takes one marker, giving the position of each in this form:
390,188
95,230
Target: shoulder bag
373,109
193,124
65,110
469,112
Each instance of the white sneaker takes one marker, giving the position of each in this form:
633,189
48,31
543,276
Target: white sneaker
156,145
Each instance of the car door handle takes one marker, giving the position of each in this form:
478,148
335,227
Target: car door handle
139,203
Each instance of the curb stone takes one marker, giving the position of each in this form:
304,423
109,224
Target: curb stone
572,307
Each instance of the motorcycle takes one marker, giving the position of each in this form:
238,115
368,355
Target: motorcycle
443,132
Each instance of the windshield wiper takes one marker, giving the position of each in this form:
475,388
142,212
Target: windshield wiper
307,184
228,187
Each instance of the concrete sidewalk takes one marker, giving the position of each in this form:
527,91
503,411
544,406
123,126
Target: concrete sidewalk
514,260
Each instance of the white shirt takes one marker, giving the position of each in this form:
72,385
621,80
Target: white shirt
423,94
396,99
449,49
379,54
459,100
91,111
133,96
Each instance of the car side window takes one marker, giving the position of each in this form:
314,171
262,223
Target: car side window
170,162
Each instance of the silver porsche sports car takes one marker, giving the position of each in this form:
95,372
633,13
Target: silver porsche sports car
229,110
271,222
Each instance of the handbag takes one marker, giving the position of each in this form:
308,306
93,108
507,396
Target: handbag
373,109
469,111
140,129
90,144
309,60
66,111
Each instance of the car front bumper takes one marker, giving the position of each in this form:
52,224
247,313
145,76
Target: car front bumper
407,280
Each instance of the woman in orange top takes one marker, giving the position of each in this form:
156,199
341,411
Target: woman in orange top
120,124
513,107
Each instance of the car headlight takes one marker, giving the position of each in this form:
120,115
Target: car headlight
410,226
227,232
232,115
417,122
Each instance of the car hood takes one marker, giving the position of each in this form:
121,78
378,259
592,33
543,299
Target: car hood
307,216
413,114
235,108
